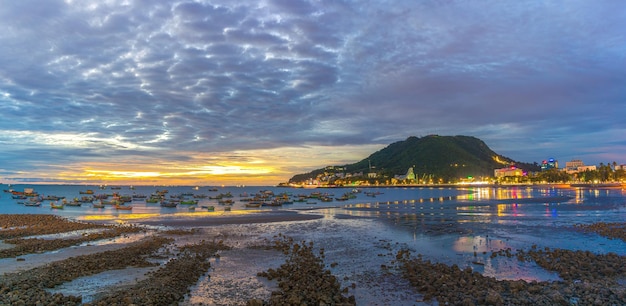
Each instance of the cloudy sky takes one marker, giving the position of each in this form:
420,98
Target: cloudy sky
253,92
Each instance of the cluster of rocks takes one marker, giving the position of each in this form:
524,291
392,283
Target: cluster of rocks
451,285
302,279
612,230
582,266
14,226
165,286
28,287
37,245
587,279
169,284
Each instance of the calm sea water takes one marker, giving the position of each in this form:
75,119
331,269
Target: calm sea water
8,205
518,206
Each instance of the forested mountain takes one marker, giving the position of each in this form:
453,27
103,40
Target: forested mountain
438,157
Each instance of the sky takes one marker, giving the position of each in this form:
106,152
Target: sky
253,92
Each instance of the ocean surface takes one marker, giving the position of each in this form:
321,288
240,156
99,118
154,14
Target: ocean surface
450,225
521,206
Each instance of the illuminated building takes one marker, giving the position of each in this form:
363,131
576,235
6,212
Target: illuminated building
410,175
509,171
577,165
549,164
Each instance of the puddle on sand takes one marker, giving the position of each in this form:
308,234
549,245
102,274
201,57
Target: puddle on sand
233,280
123,239
10,265
90,287
67,235
4,246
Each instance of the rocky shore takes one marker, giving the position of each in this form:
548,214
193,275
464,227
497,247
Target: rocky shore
177,258
178,266
587,278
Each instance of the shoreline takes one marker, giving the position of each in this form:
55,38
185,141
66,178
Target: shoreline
486,185
202,221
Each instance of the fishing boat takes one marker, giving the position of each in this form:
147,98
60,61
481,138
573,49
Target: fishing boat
121,207
253,204
226,202
52,198
54,205
168,204
32,203
97,204
74,202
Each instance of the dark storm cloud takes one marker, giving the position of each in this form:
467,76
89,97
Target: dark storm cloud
531,78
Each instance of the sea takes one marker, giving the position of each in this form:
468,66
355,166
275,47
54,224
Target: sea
518,205
453,225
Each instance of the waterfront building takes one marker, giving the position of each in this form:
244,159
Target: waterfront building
551,163
508,171
577,165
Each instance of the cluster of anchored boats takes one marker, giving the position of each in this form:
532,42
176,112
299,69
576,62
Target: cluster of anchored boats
191,200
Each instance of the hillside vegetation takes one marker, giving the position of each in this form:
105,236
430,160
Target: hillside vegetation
446,158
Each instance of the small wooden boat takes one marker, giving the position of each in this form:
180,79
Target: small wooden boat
226,202
168,204
253,204
121,207
209,208
74,202
97,205
54,205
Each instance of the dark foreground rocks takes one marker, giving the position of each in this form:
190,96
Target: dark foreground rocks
15,225
302,279
169,284
29,287
587,278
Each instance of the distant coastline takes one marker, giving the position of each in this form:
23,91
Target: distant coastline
485,185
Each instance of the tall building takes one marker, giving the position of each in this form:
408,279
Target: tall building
551,163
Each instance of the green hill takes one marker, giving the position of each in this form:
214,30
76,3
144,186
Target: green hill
436,157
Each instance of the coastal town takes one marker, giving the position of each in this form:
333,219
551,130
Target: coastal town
575,172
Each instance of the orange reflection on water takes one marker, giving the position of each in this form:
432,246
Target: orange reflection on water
135,216
478,194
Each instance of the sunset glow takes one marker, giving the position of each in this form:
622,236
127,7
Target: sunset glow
252,93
